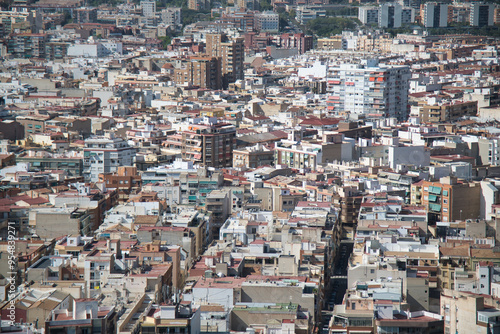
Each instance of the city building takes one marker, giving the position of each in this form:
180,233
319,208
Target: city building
267,22
435,15
171,16
368,15
27,45
482,14
450,199
368,88
206,141
104,155
148,8
199,4
200,71
86,15
393,15
231,54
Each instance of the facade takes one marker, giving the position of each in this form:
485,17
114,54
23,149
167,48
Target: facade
368,15
105,155
393,15
148,8
331,43
208,142
231,54
449,199
446,112
435,15
27,45
253,157
300,41
467,313
199,4
369,89
267,22
200,71
86,15
50,223
73,165
482,14
171,16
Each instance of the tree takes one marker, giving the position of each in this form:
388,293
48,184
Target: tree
165,41
328,26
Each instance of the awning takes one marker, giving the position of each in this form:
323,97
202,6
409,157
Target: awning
435,190
435,207
432,198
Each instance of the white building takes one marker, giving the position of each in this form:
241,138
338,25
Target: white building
393,15
267,21
95,50
368,15
105,155
148,8
435,15
171,16
482,14
368,88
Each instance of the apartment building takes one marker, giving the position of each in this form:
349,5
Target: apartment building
368,15
206,141
11,20
468,313
148,8
86,15
267,22
482,14
104,154
27,45
199,4
50,223
330,43
309,155
368,88
435,15
393,15
253,156
171,16
200,71
231,54
434,111
450,199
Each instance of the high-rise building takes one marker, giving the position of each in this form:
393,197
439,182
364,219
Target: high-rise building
199,4
482,14
368,88
267,22
86,15
200,71
435,15
105,154
27,45
393,15
148,8
171,16
368,15
205,141
248,4
450,199
231,54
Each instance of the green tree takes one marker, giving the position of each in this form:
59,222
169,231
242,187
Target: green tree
328,26
165,41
